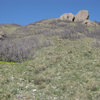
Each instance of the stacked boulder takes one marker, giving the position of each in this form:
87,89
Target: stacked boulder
81,16
67,16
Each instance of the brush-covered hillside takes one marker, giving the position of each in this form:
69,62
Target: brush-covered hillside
50,59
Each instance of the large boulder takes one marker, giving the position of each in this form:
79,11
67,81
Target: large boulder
82,15
67,16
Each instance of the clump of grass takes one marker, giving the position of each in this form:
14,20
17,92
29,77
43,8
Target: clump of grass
20,49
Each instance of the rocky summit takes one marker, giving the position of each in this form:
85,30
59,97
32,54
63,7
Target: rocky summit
81,16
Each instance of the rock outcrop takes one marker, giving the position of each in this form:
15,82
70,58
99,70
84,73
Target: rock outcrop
89,23
2,35
67,16
82,15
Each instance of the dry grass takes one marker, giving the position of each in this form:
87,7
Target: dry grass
19,45
9,28
66,70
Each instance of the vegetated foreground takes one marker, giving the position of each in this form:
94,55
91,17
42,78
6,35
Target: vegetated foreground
64,65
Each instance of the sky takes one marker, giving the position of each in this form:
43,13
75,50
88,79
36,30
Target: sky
24,12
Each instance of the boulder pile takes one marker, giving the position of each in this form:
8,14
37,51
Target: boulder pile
81,16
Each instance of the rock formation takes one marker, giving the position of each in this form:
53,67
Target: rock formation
89,23
82,15
67,16
2,35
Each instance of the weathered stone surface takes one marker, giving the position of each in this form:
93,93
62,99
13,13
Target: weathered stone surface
67,16
82,15
89,23
2,34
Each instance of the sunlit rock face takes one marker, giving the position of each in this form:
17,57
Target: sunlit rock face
82,15
67,16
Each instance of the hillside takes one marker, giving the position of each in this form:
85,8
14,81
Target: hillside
20,44
51,59
9,28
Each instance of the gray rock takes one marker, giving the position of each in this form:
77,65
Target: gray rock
89,23
82,15
2,34
67,16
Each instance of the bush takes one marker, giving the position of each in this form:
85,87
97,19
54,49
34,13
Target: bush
65,29
20,33
22,44
20,49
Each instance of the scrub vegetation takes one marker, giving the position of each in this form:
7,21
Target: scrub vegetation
50,60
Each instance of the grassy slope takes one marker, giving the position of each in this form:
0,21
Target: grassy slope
9,28
67,70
